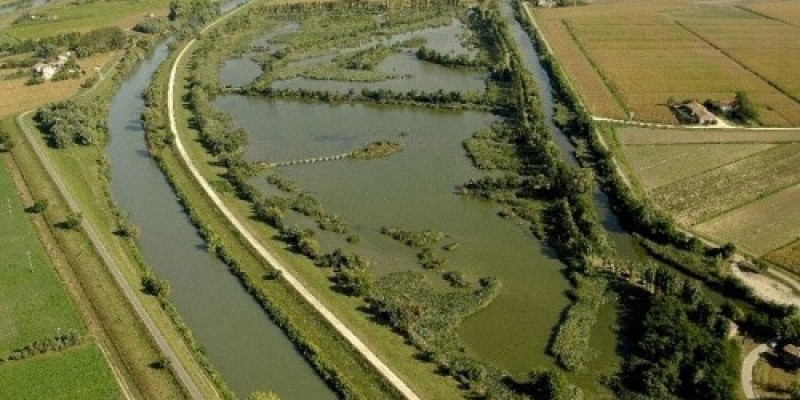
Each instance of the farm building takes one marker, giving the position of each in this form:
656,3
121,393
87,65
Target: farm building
698,113
722,107
48,70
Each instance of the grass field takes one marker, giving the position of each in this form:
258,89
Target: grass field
644,136
647,52
77,373
759,226
697,198
786,10
658,165
74,17
17,96
33,303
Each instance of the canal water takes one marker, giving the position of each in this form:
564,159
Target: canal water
247,348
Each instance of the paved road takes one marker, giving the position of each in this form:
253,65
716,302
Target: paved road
747,370
362,348
165,348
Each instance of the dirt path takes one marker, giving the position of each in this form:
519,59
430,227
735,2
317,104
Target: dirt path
166,349
340,327
748,365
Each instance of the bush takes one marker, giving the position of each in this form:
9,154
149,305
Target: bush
38,206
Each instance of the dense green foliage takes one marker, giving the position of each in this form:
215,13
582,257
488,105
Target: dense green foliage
70,122
571,343
99,40
379,149
681,348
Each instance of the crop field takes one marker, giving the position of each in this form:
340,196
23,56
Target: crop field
82,17
658,165
33,302
787,256
647,136
759,226
646,54
17,96
698,198
78,373
786,10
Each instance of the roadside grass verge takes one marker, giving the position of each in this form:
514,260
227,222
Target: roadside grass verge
77,373
35,304
389,346
125,331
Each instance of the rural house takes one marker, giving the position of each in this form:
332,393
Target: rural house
48,70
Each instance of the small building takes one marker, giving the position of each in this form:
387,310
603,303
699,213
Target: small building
698,113
545,3
45,70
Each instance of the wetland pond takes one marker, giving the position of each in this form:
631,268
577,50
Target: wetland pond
415,189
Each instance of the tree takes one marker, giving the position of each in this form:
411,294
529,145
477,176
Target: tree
6,143
73,221
38,206
154,286
746,110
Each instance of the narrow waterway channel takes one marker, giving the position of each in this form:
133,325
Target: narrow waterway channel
246,347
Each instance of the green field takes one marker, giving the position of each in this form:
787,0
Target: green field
33,302
84,17
77,373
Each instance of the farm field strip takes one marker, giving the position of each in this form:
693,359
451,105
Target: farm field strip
704,196
77,373
658,165
647,136
780,10
760,226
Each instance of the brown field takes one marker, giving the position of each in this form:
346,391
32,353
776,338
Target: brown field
760,226
646,136
769,48
646,58
19,97
659,165
698,198
787,256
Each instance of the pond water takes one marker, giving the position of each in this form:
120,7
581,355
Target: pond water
247,348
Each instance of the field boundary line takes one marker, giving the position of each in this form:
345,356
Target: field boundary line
265,254
175,363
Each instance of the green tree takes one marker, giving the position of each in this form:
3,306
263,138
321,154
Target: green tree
746,109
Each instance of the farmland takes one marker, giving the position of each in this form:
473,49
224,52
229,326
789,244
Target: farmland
658,165
34,304
17,96
645,136
698,198
84,16
77,373
646,53
760,226
726,184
